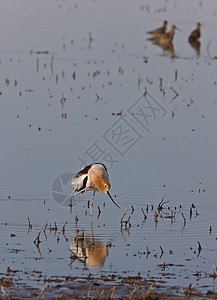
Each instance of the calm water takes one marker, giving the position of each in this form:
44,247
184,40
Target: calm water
72,78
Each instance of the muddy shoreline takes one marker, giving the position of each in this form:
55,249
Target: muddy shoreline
104,287
81,83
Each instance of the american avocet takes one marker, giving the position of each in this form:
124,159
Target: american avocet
159,30
94,178
195,34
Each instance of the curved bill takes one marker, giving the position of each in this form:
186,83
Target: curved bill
113,200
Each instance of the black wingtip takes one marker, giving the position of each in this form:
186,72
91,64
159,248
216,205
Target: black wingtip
112,200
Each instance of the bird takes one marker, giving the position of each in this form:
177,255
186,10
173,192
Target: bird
195,34
93,177
159,30
165,37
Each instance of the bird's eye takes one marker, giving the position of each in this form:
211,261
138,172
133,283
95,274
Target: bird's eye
106,186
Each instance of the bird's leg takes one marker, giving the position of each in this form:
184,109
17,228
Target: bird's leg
91,205
91,226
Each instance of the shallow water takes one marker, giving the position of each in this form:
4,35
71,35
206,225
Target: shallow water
72,83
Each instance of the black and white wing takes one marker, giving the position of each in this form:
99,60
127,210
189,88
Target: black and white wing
79,182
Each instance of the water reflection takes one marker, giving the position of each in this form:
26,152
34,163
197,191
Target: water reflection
196,46
90,251
166,46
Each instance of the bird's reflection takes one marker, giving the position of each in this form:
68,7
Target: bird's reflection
92,252
166,46
196,45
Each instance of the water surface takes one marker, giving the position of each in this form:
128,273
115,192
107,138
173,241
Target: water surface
73,77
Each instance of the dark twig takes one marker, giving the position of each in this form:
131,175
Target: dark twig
37,240
64,226
190,213
184,220
160,205
123,215
99,212
144,215
45,230
174,91
162,251
199,248
30,225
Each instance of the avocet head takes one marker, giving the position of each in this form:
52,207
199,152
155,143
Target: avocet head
104,186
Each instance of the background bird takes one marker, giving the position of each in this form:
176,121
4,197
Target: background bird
165,37
94,178
195,34
159,30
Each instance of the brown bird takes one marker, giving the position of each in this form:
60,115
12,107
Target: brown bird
195,34
165,37
159,30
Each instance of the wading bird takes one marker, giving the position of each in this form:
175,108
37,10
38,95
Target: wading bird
195,34
165,37
94,178
159,30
